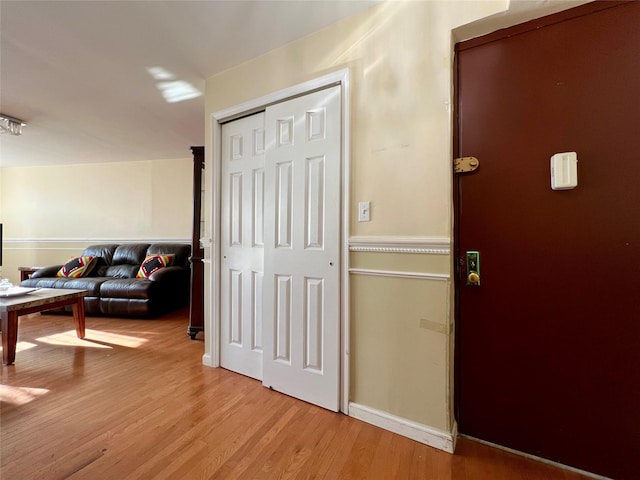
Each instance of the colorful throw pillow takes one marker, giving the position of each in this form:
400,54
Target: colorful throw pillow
153,263
77,267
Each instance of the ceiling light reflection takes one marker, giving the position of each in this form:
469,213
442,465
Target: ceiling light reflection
178,91
173,90
160,73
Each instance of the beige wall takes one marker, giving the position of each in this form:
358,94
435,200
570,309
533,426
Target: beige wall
51,213
399,54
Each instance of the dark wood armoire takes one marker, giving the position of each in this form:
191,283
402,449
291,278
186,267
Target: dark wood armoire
196,312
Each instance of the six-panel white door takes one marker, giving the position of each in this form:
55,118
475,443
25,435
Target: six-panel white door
242,245
302,248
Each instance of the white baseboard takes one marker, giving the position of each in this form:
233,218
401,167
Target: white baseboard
208,360
433,437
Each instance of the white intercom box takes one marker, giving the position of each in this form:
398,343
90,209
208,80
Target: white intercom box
564,171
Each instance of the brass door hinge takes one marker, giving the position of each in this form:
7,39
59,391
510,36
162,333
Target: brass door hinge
465,164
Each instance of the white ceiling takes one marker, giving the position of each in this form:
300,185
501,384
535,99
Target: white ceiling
103,81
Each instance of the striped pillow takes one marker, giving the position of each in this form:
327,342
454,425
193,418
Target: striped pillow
153,263
77,267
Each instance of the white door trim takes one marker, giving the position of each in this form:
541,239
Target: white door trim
212,316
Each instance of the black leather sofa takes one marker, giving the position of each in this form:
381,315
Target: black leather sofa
113,287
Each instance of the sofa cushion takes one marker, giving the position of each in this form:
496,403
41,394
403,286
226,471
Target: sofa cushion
104,256
130,254
103,253
91,284
121,271
139,288
128,307
153,263
77,267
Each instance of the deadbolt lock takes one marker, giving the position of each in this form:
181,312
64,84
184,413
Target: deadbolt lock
473,268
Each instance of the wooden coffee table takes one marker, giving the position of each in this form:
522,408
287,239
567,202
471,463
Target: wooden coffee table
37,301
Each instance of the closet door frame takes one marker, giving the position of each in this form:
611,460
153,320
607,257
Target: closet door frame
212,320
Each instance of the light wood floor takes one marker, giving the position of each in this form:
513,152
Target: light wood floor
133,401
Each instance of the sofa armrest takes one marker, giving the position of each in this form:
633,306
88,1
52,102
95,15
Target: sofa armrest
170,274
46,272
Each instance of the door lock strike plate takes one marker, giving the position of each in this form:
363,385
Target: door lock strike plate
465,164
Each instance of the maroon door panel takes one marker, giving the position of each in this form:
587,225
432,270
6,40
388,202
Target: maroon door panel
548,358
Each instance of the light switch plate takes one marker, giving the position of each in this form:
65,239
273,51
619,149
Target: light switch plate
364,211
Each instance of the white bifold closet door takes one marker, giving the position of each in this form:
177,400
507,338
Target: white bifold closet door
301,309
242,245
280,247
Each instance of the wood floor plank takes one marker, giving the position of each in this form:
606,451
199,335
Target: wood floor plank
133,401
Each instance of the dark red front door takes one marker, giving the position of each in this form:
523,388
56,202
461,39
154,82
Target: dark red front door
548,353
